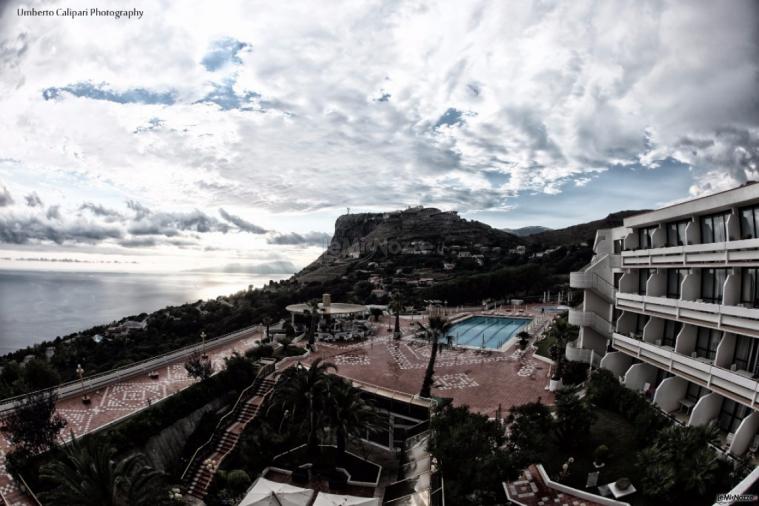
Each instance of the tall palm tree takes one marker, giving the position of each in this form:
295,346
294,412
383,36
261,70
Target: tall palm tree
313,311
267,323
396,306
87,475
303,392
349,414
436,327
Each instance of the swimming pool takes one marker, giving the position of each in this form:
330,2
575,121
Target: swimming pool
485,331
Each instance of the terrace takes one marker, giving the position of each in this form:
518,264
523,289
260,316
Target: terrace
484,380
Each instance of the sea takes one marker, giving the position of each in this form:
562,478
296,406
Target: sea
40,305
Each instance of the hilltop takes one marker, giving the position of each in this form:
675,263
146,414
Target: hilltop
583,232
409,237
526,231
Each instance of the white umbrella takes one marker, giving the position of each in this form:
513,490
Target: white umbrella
271,493
325,499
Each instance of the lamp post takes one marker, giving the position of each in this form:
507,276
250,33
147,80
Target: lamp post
203,355
80,373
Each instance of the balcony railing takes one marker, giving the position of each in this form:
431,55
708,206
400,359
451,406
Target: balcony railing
590,319
736,385
730,252
744,320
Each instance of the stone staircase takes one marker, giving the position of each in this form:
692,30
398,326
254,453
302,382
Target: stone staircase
201,470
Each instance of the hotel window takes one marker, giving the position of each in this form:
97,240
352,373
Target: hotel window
676,232
617,277
643,275
731,415
695,392
749,222
707,341
750,286
645,237
712,283
746,354
714,228
671,329
618,246
674,280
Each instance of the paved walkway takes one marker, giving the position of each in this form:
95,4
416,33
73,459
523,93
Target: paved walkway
483,380
120,399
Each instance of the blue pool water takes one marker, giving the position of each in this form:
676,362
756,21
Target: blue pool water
488,331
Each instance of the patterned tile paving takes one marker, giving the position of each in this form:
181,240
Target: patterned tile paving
119,399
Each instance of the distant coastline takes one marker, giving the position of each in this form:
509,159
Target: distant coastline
41,305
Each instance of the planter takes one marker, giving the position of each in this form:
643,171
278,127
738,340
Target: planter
554,384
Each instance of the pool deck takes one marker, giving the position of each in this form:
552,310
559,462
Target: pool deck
482,380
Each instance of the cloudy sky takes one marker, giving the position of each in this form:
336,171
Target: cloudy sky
201,135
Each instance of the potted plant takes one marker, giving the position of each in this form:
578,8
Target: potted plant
524,339
600,455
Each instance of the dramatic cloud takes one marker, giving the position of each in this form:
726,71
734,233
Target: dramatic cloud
99,210
243,225
21,230
5,196
311,238
33,200
273,109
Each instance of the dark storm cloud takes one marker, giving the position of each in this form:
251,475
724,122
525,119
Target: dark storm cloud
99,210
22,230
242,224
308,239
171,224
33,200
5,196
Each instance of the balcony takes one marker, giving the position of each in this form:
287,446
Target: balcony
592,281
590,319
736,385
738,319
717,253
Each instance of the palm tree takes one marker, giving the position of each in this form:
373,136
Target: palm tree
349,414
563,333
86,474
436,327
396,306
303,392
267,323
313,311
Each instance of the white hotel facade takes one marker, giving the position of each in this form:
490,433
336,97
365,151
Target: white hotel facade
671,307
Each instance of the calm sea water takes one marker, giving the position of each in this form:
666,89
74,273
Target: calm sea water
37,305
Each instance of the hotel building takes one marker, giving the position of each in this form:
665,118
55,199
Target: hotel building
671,307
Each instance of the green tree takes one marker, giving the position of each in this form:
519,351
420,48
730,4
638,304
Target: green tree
38,374
349,414
198,367
471,456
376,313
33,426
680,466
303,393
574,418
436,327
530,426
87,475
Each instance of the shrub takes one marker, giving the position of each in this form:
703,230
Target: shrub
574,373
238,480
